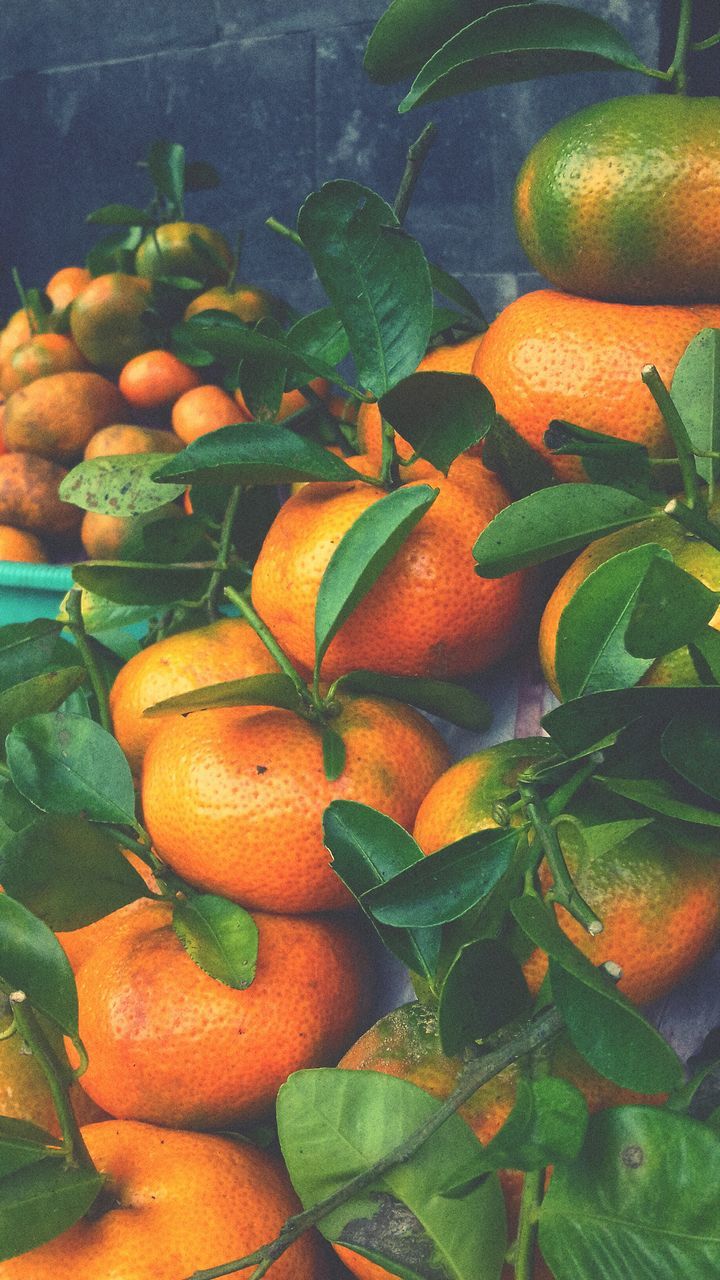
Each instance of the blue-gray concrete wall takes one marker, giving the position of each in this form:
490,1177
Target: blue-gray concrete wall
272,92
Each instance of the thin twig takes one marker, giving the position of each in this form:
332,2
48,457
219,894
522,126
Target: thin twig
417,153
95,675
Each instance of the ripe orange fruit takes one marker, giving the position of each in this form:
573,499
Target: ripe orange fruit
16,331
78,944
234,803
620,200
173,250
429,613
248,302
65,285
29,496
169,1044
689,553
226,650
292,401
551,355
203,409
24,1091
406,1044
15,544
155,380
173,1203
44,354
56,416
125,438
104,536
108,321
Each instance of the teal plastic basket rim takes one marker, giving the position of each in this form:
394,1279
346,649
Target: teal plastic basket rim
36,577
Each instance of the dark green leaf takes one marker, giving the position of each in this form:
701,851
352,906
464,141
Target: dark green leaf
376,277
672,608
448,285
143,584
32,960
367,850
551,523
120,215
445,885
118,486
519,43
166,163
22,1144
272,690
67,871
410,31
257,453
660,796
115,252
451,702
68,764
220,937
484,989
29,648
333,753
623,464
45,692
642,1196
362,554
583,725
319,334
40,1202
334,1124
696,392
441,414
229,340
262,383
705,654
691,746
164,539
591,653
605,1028
521,468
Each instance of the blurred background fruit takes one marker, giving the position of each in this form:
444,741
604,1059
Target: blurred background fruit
108,320
29,496
186,249
54,417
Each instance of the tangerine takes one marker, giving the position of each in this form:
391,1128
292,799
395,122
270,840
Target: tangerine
16,544
44,354
55,416
203,409
248,302
64,286
187,249
123,438
155,380
108,319
29,496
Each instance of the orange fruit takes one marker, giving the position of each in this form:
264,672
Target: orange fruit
29,496
689,553
44,354
104,536
173,1203
155,380
226,650
169,1044
551,355
248,302
203,409
234,803
56,416
64,286
16,331
428,614
292,401
24,1090
108,320
173,250
16,544
620,200
125,438
406,1044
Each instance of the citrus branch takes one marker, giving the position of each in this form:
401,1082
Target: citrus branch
417,153
271,645
677,71
498,1052
563,891
695,521
76,625
221,564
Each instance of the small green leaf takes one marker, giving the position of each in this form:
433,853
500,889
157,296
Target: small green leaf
691,745
362,554
440,414
591,652
40,1202
521,468
320,334
29,648
445,885
128,583
45,692
484,989
551,523
520,43
32,961
622,464
672,608
705,654
22,1144
118,486
272,690
166,163
660,796
376,277
334,753
225,337
67,871
262,383
68,764
261,453
459,706
696,392
584,724
220,937
115,252
120,215
642,1195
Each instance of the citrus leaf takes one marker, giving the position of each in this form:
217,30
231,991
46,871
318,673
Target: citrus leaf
32,961
705,654
40,1202
361,555
696,392
459,706
261,382
591,653
552,522
120,215
115,252
440,414
521,468
220,937
334,753
272,690
520,43
660,796
68,764
22,1144
583,725
448,285
484,989
691,745
334,1124
622,464
261,453
642,1195
445,885
118,486
225,337
29,648
68,872
376,277
128,583
410,31
45,692
166,164
320,334
672,608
